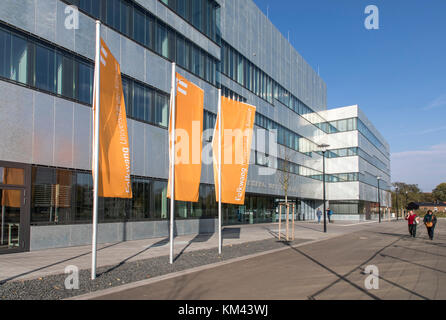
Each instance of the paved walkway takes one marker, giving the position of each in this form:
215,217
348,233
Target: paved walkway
408,269
30,265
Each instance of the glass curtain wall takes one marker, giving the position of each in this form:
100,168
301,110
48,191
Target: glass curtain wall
62,196
136,23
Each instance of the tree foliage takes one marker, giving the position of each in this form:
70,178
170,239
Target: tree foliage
407,193
439,193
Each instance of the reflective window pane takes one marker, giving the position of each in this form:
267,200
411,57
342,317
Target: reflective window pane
5,54
19,59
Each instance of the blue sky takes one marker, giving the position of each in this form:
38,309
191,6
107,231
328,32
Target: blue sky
397,74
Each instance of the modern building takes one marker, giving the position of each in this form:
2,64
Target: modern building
358,165
46,82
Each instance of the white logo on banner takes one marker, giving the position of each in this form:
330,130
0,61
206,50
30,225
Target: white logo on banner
180,87
104,56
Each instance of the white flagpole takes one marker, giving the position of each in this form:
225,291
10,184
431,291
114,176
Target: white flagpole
96,150
219,170
172,171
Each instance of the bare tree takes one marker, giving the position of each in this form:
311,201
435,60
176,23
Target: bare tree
284,167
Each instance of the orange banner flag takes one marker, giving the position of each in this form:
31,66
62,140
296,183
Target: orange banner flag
114,153
188,140
237,128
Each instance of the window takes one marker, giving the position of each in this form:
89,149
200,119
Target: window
150,32
60,72
19,59
139,100
126,89
133,21
45,62
240,70
197,13
161,110
209,120
181,58
5,54
171,44
202,14
90,6
85,82
126,19
181,8
149,106
196,61
68,83
162,44
113,13
12,176
139,27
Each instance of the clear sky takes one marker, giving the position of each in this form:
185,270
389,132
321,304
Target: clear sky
397,74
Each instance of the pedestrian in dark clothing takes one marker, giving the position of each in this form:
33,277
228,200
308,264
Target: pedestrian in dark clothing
329,213
430,220
413,220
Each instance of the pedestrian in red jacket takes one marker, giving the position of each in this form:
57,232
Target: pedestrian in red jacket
413,220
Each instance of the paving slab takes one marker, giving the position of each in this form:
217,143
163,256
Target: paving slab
409,269
36,264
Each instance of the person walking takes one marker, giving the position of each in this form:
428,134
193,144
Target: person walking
329,213
430,220
319,214
413,220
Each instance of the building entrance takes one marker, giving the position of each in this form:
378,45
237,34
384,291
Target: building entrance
14,206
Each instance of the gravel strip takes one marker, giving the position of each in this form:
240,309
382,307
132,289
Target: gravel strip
53,287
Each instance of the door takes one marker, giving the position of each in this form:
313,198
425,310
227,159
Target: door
14,207
11,228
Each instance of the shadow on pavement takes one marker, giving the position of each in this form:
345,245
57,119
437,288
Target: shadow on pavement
54,264
156,244
413,263
422,251
359,267
231,233
197,238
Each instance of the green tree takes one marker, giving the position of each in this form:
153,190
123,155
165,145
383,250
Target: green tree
427,197
439,192
406,193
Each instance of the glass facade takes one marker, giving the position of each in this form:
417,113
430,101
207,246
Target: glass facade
351,124
344,152
285,136
235,66
226,92
339,125
372,138
138,24
373,160
240,69
294,168
145,104
65,196
202,14
354,207
209,120
34,63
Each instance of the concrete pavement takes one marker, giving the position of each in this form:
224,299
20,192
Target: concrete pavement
30,265
331,269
